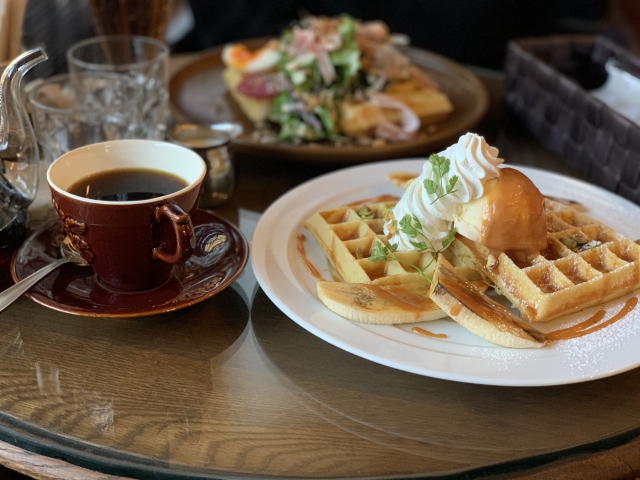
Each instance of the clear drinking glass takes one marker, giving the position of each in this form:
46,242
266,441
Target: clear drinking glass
73,111
144,59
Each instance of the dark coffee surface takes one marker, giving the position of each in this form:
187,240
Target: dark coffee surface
127,185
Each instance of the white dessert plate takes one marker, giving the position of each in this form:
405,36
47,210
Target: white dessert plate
461,356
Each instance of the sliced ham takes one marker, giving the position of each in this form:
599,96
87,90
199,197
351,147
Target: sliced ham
308,41
303,41
261,85
331,42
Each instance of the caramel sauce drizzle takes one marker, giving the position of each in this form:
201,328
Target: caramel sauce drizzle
565,333
378,199
591,324
427,333
401,298
514,215
303,253
401,178
493,312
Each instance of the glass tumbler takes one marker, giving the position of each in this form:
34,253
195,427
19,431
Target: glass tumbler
73,111
144,59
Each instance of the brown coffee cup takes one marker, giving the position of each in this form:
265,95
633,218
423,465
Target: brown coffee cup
131,245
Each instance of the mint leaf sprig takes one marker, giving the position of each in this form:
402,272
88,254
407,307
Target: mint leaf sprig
440,187
411,226
381,253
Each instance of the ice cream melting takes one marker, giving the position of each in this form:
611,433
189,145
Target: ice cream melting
474,162
509,217
497,207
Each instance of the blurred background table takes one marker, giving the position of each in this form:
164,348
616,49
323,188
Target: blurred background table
232,388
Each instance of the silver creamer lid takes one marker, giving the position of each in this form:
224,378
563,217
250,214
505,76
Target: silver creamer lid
232,128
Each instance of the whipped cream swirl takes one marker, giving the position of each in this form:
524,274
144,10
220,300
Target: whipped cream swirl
475,162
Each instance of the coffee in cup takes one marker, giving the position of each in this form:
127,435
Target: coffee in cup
125,205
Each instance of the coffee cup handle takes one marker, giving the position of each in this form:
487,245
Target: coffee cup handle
185,239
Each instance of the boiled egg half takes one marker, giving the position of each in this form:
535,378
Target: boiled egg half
239,57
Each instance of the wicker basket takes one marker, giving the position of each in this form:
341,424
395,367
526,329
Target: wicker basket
548,83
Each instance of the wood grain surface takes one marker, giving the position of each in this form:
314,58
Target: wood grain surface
231,387
21,464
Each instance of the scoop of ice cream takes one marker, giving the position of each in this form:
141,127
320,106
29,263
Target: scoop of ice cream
509,217
474,163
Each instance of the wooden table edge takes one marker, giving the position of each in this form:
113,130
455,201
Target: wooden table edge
45,468
619,463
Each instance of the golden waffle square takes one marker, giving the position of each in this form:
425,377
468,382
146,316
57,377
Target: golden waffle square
568,276
347,238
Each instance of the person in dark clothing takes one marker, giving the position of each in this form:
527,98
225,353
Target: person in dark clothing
473,32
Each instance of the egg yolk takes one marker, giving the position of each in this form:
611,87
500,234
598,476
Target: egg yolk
242,58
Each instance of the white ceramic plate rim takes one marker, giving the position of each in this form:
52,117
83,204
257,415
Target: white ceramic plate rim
462,357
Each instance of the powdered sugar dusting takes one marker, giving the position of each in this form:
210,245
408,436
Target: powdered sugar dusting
504,359
583,356
587,354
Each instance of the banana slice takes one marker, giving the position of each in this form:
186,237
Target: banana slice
381,304
478,313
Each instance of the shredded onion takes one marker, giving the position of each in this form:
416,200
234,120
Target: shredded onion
410,122
325,65
307,41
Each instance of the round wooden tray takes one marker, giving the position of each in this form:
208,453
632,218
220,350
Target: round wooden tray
198,94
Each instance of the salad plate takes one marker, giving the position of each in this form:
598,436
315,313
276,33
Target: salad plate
282,273
198,94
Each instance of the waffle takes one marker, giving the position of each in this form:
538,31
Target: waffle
561,280
347,239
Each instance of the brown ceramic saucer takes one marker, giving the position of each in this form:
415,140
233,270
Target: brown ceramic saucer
220,257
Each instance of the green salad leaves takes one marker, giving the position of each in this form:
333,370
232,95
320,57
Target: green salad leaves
307,110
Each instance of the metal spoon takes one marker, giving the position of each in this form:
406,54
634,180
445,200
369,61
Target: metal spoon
69,254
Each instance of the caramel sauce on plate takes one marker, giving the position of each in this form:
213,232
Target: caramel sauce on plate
591,324
303,253
378,199
400,179
427,333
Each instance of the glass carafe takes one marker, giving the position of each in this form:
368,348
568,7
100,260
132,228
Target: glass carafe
19,156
